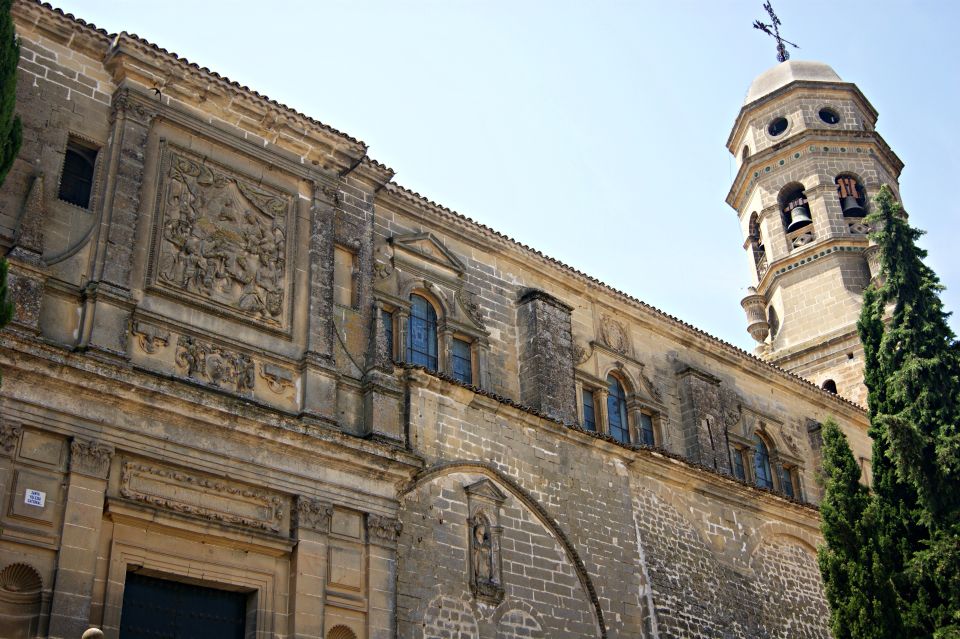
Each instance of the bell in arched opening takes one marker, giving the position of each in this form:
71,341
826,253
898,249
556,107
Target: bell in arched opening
796,210
851,196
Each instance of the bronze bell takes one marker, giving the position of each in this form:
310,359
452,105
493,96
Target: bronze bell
851,207
799,217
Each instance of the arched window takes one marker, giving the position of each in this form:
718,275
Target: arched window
422,333
761,464
617,410
830,386
745,154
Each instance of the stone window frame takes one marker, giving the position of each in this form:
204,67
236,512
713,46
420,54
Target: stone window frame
438,316
781,463
637,402
447,330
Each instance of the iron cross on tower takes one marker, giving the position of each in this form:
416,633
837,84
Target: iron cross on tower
773,30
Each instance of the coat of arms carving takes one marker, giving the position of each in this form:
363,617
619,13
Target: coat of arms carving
223,240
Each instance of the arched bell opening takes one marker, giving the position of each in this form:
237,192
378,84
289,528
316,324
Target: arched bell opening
830,386
794,207
852,195
755,240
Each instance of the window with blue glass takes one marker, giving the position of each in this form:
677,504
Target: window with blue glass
462,356
736,455
647,438
387,318
617,411
761,464
786,481
422,333
589,411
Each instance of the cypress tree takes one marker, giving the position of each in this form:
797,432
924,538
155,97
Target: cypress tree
10,128
891,559
914,414
862,600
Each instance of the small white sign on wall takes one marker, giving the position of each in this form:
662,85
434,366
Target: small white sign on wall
34,498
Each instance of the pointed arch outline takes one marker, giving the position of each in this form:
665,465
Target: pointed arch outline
495,474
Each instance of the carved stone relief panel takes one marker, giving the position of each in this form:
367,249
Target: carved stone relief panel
484,500
207,498
614,335
212,364
221,240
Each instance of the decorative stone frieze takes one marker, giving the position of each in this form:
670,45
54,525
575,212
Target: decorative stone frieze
150,338
382,530
90,458
312,514
211,364
204,497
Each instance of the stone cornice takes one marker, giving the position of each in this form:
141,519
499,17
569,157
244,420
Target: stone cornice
149,392
808,254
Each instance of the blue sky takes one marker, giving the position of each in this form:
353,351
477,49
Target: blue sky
593,131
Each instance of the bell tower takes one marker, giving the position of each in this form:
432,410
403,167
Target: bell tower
809,161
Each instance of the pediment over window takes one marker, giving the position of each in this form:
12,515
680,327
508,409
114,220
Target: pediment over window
423,250
486,489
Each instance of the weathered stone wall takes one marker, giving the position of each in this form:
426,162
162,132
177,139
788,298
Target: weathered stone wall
202,395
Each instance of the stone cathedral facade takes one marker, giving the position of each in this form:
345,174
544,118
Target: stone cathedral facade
256,388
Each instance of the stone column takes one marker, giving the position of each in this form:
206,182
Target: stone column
382,392
109,303
308,567
382,535
82,520
600,410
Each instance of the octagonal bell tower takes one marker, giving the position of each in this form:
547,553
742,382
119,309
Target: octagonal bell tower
809,163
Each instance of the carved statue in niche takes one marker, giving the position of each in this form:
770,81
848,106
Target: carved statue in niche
223,240
484,531
485,579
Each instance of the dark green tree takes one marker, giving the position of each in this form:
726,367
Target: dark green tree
895,557
11,132
915,415
861,595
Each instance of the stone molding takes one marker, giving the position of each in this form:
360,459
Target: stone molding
312,514
90,458
211,498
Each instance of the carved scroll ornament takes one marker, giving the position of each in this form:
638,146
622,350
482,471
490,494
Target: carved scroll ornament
223,240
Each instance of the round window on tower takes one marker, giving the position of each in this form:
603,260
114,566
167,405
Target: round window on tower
829,116
777,127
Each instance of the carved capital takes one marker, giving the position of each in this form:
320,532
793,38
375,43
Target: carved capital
90,458
383,530
129,106
9,436
313,514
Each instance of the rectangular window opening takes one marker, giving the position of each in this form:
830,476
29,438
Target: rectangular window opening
387,318
589,412
76,179
647,437
462,357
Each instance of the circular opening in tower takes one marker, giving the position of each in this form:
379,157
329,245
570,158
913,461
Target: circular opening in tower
777,127
829,116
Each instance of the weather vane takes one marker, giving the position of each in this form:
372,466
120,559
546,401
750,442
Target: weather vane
773,30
